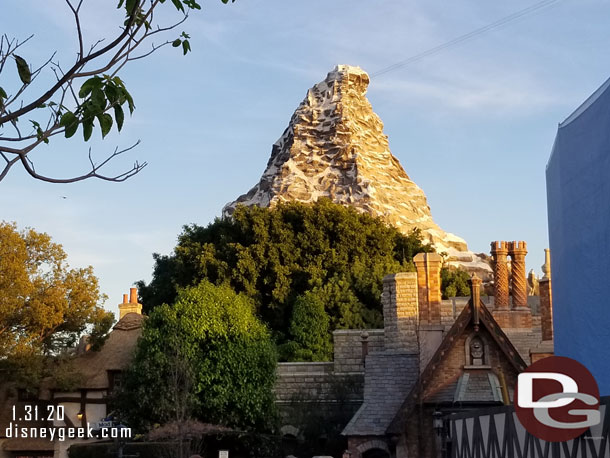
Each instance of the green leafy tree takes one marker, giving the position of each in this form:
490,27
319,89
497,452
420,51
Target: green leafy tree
45,306
88,94
275,255
206,357
454,282
309,330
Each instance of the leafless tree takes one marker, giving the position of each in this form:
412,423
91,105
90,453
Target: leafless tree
89,93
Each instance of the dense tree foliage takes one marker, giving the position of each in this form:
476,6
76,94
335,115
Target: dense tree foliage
309,335
44,305
275,255
206,357
454,282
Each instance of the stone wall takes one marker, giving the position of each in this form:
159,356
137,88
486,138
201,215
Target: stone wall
348,348
451,309
304,381
313,398
330,392
320,380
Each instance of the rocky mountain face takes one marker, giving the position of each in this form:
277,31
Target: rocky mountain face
334,147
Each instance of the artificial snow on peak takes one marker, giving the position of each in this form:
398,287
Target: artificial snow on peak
334,147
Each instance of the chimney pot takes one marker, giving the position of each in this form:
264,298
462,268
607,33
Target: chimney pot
133,295
130,304
428,266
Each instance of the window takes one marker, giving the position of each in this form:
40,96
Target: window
114,380
26,395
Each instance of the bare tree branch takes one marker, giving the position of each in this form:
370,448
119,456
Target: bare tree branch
117,56
78,27
4,55
8,166
94,173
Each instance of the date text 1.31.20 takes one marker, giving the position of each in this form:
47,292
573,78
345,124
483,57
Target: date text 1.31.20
34,413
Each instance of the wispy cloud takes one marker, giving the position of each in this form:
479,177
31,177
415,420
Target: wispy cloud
469,91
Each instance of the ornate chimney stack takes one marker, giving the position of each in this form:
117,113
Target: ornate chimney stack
546,298
499,253
520,313
475,297
428,266
517,252
132,306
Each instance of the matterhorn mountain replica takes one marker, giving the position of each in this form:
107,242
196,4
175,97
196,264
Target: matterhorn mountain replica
334,147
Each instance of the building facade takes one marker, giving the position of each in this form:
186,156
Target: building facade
441,357
578,195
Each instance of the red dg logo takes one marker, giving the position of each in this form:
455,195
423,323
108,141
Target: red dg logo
557,399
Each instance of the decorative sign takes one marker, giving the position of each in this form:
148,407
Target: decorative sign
223,454
102,424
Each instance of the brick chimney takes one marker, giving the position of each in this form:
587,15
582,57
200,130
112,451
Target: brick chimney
499,253
132,306
521,315
517,252
428,267
546,298
400,312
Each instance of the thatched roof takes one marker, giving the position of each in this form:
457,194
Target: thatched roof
129,322
116,354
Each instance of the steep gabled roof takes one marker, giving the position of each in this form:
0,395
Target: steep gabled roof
388,379
477,316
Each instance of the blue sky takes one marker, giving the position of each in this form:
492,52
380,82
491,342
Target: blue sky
472,125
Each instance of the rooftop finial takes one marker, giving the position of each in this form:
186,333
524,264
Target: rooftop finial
546,267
